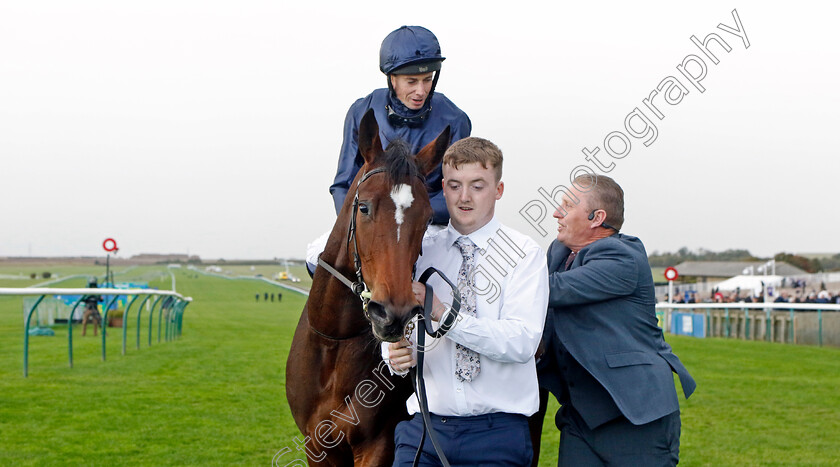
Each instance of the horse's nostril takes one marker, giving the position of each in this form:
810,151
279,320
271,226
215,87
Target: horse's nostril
377,312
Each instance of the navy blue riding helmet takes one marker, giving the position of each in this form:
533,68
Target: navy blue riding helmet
410,50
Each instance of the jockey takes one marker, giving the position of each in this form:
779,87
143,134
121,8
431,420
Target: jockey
409,108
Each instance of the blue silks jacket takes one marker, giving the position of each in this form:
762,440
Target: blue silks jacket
443,113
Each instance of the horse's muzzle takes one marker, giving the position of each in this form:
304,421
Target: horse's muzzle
389,324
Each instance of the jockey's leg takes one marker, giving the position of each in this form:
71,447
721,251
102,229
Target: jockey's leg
313,250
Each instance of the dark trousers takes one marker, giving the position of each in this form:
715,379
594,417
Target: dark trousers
499,439
618,442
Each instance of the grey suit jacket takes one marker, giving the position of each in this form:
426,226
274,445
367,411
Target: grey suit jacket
603,311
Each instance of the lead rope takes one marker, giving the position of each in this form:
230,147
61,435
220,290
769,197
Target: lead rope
417,372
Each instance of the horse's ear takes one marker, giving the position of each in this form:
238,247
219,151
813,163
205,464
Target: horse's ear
370,146
428,159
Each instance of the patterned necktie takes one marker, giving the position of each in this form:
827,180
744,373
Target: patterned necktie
467,365
570,260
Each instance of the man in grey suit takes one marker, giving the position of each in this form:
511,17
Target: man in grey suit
606,359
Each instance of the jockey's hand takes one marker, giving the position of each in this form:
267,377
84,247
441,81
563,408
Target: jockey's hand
438,308
400,356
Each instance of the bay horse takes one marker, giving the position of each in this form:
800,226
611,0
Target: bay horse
341,393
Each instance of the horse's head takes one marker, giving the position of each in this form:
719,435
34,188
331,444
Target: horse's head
391,216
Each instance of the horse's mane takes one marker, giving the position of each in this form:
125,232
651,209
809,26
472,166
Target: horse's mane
399,164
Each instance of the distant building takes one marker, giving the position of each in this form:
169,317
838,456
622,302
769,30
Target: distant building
155,258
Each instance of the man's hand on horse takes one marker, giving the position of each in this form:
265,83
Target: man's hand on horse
438,308
400,355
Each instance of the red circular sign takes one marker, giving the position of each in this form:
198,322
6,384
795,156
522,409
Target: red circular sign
671,274
110,245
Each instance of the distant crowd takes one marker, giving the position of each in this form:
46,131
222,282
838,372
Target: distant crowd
798,295
269,296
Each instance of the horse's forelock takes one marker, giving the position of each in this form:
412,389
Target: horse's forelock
399,164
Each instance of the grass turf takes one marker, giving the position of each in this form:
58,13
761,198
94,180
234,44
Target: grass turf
216,396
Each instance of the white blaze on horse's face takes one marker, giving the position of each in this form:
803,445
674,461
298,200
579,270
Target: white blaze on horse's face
402,197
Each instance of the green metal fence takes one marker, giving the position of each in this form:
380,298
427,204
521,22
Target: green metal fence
793,323
174,302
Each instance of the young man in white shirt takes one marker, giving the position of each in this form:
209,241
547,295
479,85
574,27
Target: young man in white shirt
480,378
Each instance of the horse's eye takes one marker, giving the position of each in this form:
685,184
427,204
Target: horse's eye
363,208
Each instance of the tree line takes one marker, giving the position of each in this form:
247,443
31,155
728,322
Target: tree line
811,265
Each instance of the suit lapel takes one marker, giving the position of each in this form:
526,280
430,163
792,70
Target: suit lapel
557,254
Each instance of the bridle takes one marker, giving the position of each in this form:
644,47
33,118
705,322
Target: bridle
359,287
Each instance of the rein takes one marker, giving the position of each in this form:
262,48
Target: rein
417,372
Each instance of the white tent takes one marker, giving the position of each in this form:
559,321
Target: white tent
752,283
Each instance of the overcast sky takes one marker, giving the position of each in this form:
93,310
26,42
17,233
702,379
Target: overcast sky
213,128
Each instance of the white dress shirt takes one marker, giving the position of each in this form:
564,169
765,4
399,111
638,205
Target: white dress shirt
511,283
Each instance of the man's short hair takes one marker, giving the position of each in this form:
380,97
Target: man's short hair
604,194
473,149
